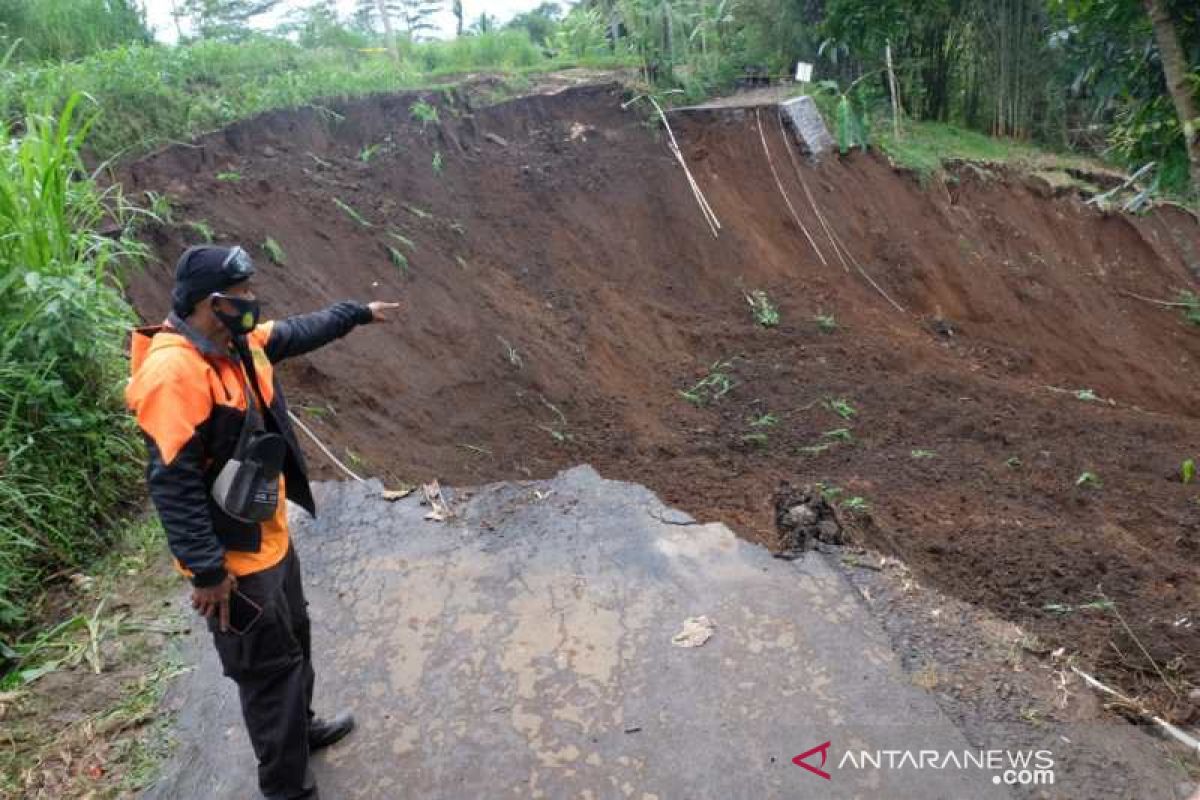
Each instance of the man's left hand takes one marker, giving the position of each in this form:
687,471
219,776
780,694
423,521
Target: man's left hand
380,311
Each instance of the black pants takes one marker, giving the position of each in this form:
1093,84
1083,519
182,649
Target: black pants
271,662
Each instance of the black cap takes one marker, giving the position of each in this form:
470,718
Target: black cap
203,270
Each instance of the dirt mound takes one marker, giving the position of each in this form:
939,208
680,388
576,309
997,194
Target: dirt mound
562,290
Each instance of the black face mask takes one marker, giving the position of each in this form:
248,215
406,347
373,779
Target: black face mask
245,315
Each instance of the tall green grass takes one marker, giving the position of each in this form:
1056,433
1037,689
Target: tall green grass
152,94
68,453
58,30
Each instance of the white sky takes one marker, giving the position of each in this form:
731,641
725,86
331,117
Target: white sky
158,14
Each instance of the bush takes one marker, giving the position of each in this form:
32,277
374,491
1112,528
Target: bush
68,452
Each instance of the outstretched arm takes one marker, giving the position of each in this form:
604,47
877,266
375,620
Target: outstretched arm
304,333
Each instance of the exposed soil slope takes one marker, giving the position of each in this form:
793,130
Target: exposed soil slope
562,288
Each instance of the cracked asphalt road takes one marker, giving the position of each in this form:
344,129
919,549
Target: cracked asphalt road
524,650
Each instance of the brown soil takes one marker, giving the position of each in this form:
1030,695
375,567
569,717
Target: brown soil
560,226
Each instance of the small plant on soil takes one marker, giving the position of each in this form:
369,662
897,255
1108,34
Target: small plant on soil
842,408
559,430
1088,479
398,259
202,229
1012,462
919,454
826,323
367,153
510,353
160,208
423,112
437,161
1187,471
402,239
319,412
1191,306
829,492
757,438
350,212
713,386
418,212
1065,608
274,251
856,504
462,262
762,309
1086,395
759,425
229,177
816,449
840,434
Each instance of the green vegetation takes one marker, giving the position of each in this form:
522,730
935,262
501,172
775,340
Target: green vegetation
68,453
1088,479
202,229
1191,306
713,386
399,260
402,239
423,112
922,454
112,638
762,309
275,252
839,434
826,323
229,177
350,212
1187,471
437,162
842,408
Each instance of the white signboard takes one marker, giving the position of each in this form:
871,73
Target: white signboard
803,72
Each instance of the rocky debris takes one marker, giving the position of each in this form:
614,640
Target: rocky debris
801,517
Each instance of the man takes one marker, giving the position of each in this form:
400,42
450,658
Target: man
200,382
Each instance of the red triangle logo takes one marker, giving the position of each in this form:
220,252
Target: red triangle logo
823,749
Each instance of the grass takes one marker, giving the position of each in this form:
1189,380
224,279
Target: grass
826,323
108,735
202,229
398,259
423,112
229,177
350,212
713,386
152,95
842,408
765,312
275,252
924,146
68,452
1191,306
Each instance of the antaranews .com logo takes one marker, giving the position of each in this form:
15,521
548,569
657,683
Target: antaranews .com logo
1008,767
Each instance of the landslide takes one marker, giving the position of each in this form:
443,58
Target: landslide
561,289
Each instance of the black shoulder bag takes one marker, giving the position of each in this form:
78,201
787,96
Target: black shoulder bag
247,487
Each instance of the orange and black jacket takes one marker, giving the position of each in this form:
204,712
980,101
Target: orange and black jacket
190,400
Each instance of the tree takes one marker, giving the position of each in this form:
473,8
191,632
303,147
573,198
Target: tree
485,23
457,9
1181,82
225,19
413,18
539,23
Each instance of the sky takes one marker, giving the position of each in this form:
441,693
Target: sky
158,14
